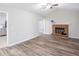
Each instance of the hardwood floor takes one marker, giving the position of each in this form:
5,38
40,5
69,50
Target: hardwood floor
45,45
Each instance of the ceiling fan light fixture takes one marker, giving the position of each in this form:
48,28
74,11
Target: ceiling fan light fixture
55,4
48,5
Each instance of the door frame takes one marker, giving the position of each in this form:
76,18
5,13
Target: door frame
7,26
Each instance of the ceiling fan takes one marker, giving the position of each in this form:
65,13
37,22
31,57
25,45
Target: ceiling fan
48,6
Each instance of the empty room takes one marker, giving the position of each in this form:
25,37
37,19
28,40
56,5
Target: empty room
39,29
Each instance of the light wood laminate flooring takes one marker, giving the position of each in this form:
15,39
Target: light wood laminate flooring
44,45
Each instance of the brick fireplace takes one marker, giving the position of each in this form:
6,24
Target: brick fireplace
60,30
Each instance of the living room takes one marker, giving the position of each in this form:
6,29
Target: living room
36,29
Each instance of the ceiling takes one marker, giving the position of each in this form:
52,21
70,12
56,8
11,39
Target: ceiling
36,8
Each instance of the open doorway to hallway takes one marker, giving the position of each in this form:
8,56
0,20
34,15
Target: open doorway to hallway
3,29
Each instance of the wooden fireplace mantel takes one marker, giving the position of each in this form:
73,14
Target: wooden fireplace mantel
60,30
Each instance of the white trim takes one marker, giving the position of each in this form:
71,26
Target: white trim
74,37
7,27
4,46
22,41
47,33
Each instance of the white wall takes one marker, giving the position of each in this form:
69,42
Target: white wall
66,17
22,25
45,26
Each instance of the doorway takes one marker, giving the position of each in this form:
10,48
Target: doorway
3,29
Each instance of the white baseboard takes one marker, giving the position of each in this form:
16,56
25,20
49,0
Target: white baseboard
47,33
74,37
3,46
9,45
